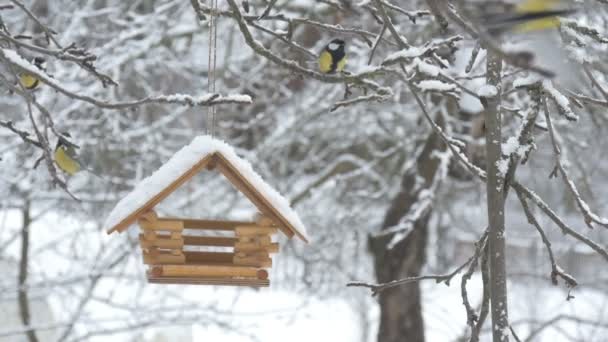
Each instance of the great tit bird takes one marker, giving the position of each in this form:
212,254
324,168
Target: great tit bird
527,16
66,156
333,57
29,81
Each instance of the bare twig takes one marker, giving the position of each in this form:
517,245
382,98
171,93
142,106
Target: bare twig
480,246
85,63
443,278
267,10
204,100
359,99
555,269
25,136
542,205
589,216
376,43
485,298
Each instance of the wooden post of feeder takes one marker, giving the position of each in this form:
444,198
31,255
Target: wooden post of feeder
254,243
161,241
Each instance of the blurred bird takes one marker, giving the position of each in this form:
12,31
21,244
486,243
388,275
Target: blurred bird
527,16
66,156
333,57
29,81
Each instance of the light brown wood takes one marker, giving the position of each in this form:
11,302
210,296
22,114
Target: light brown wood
212,224
177,252
262,239
211,164
162,224
252,246
124,224
149,235
207,271
176,235
163,258
252,261
254,230
264,221
253,254
160,242
250,282
219,241
149,216
152,251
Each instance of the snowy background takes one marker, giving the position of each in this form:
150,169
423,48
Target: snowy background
339,162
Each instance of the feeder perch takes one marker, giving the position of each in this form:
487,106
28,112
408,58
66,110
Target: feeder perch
169,245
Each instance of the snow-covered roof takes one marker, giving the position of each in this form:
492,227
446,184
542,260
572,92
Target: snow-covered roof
186,163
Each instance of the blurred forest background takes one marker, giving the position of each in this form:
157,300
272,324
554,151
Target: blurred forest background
385,194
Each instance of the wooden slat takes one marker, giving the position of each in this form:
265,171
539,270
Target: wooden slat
197,257
254,196
255,238
254,230
163,258
124,224
149,235
219,241
162,224
252,261
161,242
253,282
252,246
211,224
260,254
207,271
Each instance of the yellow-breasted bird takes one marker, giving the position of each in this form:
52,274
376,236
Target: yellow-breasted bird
527,16
29,81
66,156
333,57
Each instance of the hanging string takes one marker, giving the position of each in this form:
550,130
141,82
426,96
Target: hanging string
212,63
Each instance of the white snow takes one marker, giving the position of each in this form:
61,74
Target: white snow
202,99
526,81
184,160
435,85
562,101
510,146
503,166
238,98
487,90
16,59
428,69
410,52
184,97
13,57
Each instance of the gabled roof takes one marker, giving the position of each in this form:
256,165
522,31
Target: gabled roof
205,151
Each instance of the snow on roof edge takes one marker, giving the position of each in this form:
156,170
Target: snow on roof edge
182,161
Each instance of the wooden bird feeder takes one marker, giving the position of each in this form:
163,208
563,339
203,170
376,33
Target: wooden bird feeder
171,246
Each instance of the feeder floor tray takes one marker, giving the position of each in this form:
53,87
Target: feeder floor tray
209,281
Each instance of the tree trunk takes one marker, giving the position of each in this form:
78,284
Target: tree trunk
400,307
496,205
23,300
